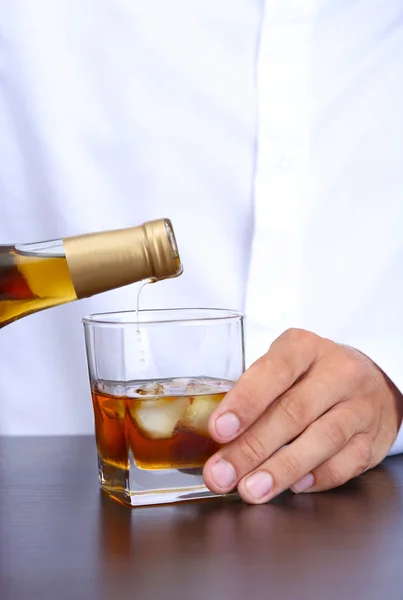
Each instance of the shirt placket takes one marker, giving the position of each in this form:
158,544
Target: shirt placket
282,179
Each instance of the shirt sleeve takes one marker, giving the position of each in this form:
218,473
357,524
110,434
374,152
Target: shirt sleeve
387,353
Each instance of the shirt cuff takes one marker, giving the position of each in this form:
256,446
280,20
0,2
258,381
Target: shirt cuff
387,353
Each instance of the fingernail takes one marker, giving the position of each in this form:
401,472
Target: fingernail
259,484
303,484
227,425
223,474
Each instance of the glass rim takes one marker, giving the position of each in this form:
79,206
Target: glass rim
195,315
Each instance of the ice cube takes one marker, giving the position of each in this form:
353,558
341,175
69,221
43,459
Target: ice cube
174,387
151,388
206,385
198,414
158,419
114,409
192,386
112,388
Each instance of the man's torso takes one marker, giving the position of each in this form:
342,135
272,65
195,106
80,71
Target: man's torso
272,136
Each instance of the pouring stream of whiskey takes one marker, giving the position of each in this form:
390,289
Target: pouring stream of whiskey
138,332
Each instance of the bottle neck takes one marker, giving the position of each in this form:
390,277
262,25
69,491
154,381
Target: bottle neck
104,261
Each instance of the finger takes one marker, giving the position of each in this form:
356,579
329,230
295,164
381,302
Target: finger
288,358
353,460
282,422
321,440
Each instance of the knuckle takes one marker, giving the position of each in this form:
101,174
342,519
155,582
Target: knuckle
363,453
301,343
371,383
348,367
250,397
332,477
280,370
336,433
293,334
284,372
294,410
359,415
351,368
298,336
251,449
290,465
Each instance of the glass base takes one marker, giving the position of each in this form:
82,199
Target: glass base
139,487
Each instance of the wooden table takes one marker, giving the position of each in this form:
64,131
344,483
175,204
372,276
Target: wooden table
61,538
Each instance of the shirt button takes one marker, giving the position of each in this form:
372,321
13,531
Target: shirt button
285,162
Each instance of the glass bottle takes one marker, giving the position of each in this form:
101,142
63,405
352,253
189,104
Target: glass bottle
38,276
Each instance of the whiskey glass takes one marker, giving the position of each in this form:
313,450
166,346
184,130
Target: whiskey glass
156,376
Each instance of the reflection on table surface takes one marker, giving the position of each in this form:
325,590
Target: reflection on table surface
296,541
58,531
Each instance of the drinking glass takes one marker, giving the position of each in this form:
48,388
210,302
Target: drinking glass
156,376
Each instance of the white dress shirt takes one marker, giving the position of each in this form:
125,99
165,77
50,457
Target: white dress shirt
271,133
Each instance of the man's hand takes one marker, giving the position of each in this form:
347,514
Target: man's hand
309,415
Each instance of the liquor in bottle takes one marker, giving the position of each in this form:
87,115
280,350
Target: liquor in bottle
38,276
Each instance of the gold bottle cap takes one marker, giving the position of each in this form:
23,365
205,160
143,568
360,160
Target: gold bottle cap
162,247
99,262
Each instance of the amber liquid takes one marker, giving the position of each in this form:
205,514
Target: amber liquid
29,283
161,432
